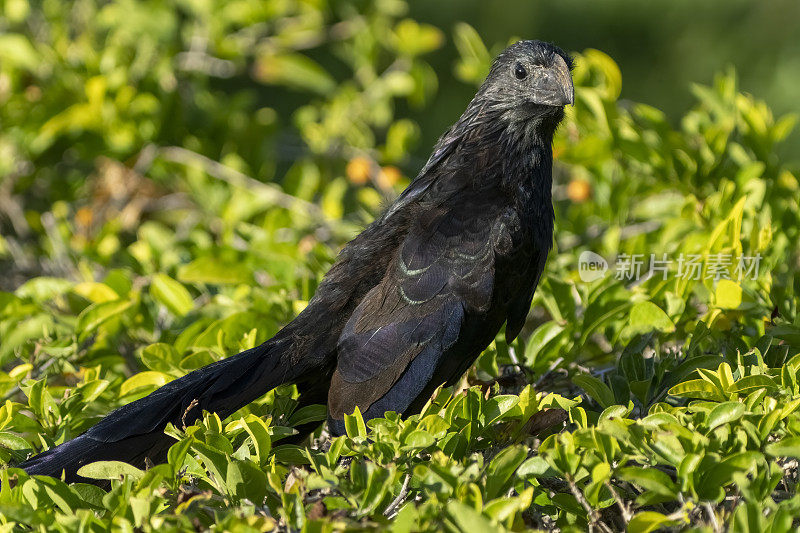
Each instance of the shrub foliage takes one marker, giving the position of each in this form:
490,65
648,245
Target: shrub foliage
177,176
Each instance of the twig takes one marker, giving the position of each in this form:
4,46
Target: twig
207,64
10,208
547,373
623,507
593,519
712,517
215,169
397,502
191,406
34,375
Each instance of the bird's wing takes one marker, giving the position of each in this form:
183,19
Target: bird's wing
444,268
530,260
446,146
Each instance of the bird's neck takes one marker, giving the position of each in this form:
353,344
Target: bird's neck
528,172
516,156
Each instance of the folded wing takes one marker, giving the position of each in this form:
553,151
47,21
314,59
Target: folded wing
393,342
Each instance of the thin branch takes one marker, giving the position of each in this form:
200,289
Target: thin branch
215,169
593,518
397,502
34,375
9,206
623,507
712,517
553,366
191,406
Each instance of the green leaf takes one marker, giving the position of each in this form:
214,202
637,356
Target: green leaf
96,315
501,508
333,198
697,388
40,399
647,316
784,126
379,482
43,288
178,451
95,292
610,70
290,454
748,384
497,406
294,70
91,494
599,313
13,442
475,58
412,38
722,473
535,467
24,331
502,467
418,439
171,294
690,365
16,50
614,412
595,388
647,521
728,294
307,414
259,436
621,389
466,518
212,270
109,470
244,480
724,413
786,332
787,447
656,420
91,390
145,379
59,493
649,479
354,425
160,357
539,339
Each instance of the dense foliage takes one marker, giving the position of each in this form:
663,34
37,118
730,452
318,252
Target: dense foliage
176,177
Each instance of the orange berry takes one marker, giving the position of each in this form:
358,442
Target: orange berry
389,176
579,190
358,170
306,244
83,217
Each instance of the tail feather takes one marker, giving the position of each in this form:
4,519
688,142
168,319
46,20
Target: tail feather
65,459
134,433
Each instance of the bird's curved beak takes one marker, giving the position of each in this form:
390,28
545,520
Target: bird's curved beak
554,86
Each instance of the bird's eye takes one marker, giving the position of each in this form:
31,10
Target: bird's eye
519,72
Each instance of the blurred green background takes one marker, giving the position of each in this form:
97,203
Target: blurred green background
661,46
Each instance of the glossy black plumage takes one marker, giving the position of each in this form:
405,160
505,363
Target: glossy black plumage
413,300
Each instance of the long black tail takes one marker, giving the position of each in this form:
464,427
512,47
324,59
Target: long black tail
135,433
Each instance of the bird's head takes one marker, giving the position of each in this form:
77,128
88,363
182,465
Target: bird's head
530,79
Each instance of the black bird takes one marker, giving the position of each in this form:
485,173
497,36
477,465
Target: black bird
410,302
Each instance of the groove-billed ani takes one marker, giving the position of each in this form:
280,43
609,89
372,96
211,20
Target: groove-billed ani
413,300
